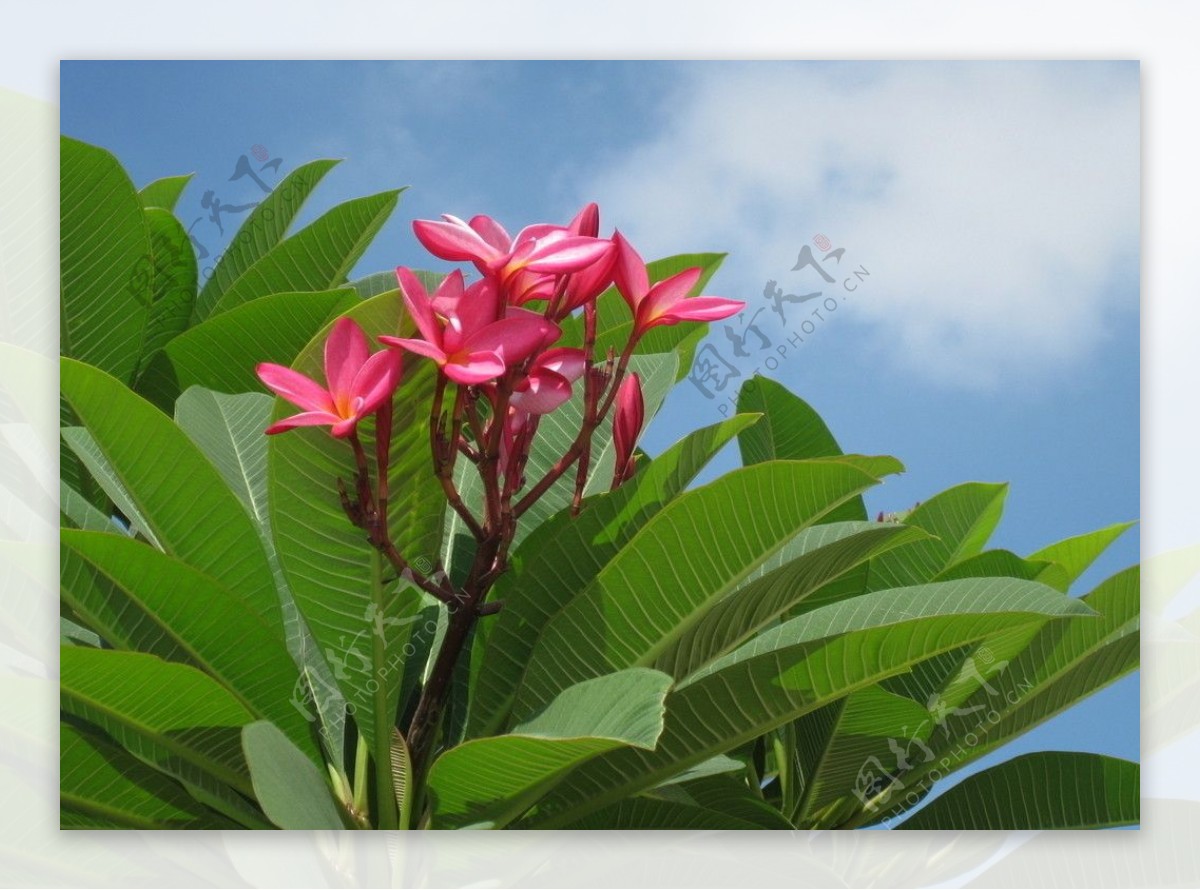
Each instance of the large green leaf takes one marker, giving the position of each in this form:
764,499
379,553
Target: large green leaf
818,557
730,795
291,790
790,430
316,258
801,665
181,497
84,448
104,786
222,352
138,598
494,780
1044,790
849,745
173,288
164,192
1062,663
563,555
361,627
228,429
263,229
106,261
1077,553
675,569
191,732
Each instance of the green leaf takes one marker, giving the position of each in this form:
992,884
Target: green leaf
1044,790
327,561
663,582
729,795
848,745
316,258
1063,663
229,431
106,261
165,192
1075,554
791,430
103,786
192,733
180,496
402,779
801,665
173,286
494,780
222,352
289,788
84,448
816,557
140,599
263,229
78,512
561,557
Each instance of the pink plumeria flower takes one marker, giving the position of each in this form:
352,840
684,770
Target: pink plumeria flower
461,328
547,384
627,426
357,383
592,280
538,248
667,302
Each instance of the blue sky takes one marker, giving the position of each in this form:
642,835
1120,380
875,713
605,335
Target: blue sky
994,205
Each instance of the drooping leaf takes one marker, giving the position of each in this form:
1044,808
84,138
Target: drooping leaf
315,258
730,795
103,786
180,496
263,229
494,780
289,788
1044,790
190,733
801,665
106,261
228,429
563,555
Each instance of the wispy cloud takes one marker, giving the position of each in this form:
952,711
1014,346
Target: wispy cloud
996,204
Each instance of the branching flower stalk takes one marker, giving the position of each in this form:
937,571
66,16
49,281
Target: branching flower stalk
499,372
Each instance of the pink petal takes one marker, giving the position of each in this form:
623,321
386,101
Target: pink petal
629,272
668,292
564,360
541,392
586,221
420,347
302,391
478,366
454,241
478,307
345,351
565,254
514,337
343,428
310,418
702,309
419,308
377,380
628,420
591,281
492,232
449,292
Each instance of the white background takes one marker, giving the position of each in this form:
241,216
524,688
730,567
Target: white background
1163,35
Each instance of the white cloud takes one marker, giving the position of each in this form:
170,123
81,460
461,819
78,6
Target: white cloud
995,204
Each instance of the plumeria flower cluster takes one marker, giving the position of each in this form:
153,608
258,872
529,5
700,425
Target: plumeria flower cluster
502,365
